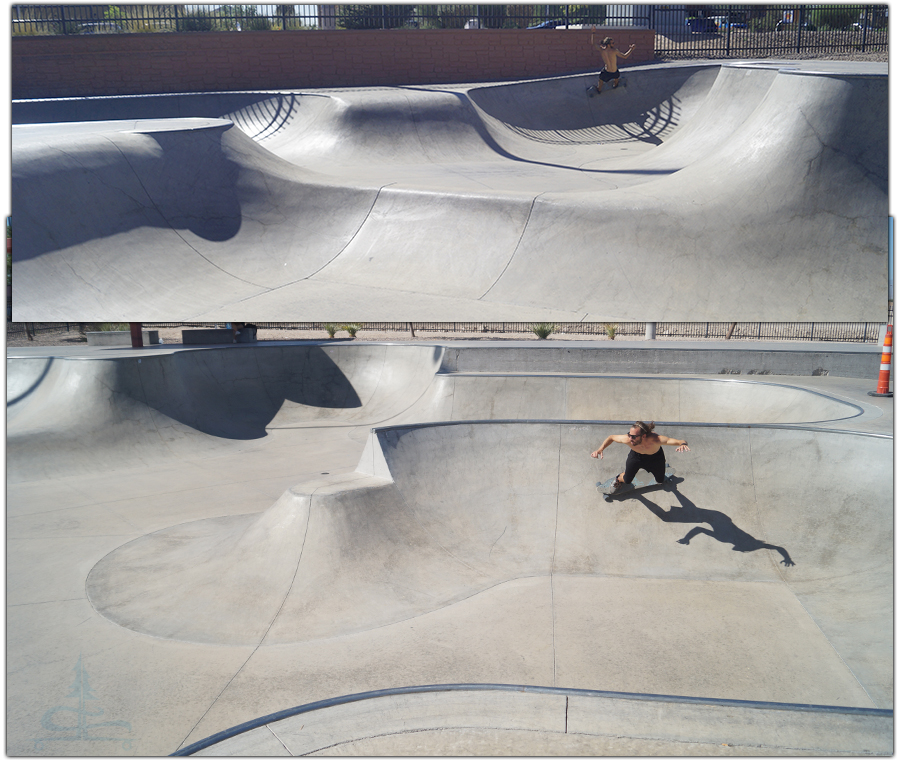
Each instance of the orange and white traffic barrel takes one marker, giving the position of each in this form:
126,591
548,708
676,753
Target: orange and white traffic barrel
884,374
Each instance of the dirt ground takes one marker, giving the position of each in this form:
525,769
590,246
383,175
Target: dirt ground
172,335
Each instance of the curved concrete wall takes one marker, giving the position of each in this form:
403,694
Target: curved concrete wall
77,415
72,416
524,397
739,190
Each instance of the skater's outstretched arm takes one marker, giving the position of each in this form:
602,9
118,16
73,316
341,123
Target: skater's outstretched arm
680,445
597,46
620,438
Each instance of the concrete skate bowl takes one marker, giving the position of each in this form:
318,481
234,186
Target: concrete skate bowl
76,416
81,416
771,563
506,202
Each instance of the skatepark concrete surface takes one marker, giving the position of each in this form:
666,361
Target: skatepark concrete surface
358,549
711,191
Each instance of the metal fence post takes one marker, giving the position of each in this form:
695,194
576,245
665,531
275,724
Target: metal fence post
865,29
728,33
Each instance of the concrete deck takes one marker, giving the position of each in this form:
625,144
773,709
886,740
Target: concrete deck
702,191
202,537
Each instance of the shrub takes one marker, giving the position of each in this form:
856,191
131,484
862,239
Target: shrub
543,330
765,22
111,327
587,14
195,22
491,16
331,329
611,330
351,329
373,16
833,17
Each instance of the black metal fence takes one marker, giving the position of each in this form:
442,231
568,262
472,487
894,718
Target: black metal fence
848,332
687,31
734,31
118,19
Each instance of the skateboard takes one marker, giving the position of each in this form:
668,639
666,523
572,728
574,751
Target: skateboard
592,90
641,480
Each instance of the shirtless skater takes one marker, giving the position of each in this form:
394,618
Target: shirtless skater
609,52
646,452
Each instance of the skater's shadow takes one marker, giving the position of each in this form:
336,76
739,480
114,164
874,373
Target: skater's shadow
723,529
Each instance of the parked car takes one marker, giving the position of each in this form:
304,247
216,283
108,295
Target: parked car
781,25
698,24
551,24
100,28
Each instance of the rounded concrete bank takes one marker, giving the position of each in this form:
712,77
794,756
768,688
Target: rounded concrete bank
506,201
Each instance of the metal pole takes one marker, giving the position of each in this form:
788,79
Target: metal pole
865,29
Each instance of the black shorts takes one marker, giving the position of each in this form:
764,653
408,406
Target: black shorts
655,464
608,76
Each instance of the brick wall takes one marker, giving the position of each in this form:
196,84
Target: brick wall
102,65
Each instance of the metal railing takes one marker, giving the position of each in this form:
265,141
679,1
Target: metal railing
120,19
849,332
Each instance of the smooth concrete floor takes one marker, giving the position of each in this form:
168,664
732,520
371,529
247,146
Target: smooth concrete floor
653,616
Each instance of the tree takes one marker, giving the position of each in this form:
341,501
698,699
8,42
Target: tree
374,16
247,16
833,16
491,16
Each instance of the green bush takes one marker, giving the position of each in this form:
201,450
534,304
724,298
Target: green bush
611,330
110,327
195,22
374,16
331,329
491,16
543,330
765,22
587,14
351,329
245,15
832,17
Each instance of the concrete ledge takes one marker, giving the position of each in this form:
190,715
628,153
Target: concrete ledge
670,361
149,336
216,336
554,721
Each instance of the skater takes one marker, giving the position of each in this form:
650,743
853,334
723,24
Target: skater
646,452
610,54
